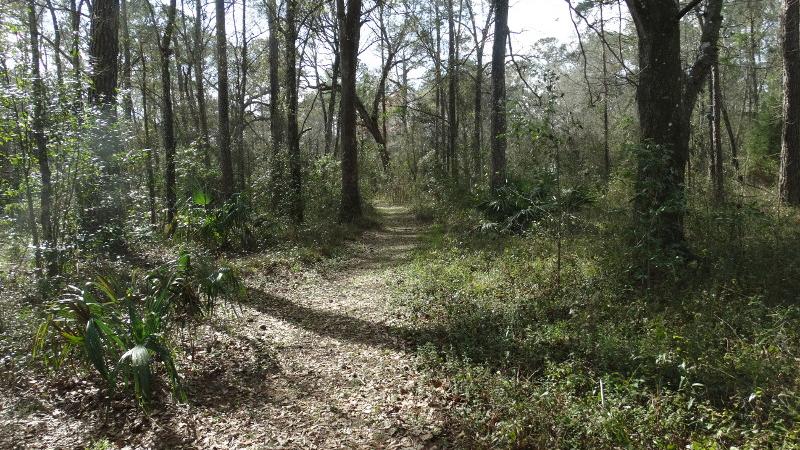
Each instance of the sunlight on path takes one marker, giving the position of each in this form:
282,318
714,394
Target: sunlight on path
341,374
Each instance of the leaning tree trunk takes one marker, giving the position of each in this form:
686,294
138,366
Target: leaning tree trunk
789,185
40,140
293,135
349,36
224,137
499,141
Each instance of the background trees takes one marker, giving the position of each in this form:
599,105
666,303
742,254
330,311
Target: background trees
392,103
607,205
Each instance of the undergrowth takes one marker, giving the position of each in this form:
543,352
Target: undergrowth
581,354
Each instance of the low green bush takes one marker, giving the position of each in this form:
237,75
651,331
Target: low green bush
121,328
546,351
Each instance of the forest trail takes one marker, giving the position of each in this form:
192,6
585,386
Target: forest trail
309,359
326,364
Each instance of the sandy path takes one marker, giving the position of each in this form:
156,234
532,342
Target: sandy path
314,359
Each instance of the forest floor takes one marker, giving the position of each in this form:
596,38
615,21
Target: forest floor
315,357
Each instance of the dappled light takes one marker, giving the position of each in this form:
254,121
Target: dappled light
400,224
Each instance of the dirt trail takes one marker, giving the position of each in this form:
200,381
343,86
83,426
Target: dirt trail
309,360
339,372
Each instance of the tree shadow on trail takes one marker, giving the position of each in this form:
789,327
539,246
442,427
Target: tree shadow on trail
338,326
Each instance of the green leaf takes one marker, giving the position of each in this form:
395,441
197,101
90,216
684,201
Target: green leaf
93,344
201,198
138,356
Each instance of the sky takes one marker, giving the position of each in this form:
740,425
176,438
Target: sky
537,19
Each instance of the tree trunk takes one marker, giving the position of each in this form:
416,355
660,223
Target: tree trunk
452,92
151,180
241,151
103,52
224,137
40,139
75,18
499,141
202,112
102,200
275,120
717,167
167,118
606,146
666,97
789,186
441,157
127,99
349,37
292,135
477,131
332,104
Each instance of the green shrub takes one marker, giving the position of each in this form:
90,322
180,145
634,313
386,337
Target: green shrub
593,359
121,329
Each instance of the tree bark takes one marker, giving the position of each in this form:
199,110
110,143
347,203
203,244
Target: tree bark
499,141
789,184
349,37
224,136
104,51
200,92
452,92
167,118
477,130
292,135
606,145
332,103
717,167
151,180
275,119
40,139
242,150
127,99
666,97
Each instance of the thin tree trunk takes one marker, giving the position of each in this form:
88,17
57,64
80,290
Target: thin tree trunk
241,150
40,140
23,142
499,141
202,112
717,168
151,181
332,103
733,142
75,16
275,120
606,146
452,92
224,137
167,118
292,135
127,100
